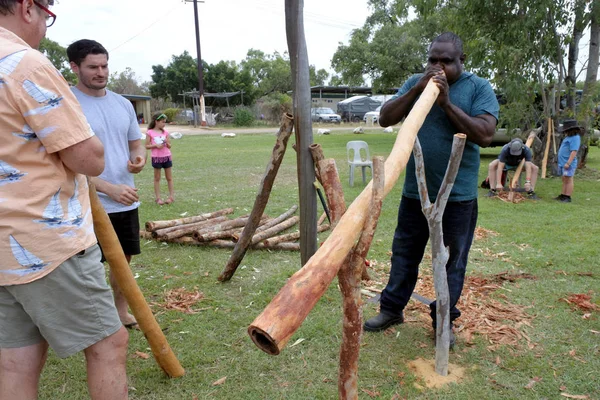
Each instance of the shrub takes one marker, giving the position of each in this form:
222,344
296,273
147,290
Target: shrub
275,104
243,117
171,113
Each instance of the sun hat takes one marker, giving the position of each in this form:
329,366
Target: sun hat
570,124
161,116
516,147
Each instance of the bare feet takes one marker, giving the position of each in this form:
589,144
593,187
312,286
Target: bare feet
169,200
159,202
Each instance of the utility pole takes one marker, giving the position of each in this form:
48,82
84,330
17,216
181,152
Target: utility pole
200,73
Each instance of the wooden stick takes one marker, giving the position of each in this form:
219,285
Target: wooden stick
515,179
274,230
321,219
262,198
350,278
547,149
151,226
272,329
316,151
113,252
277,220
182,230
332,185
440,254
290,237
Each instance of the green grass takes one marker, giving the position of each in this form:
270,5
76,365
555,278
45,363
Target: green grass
210,173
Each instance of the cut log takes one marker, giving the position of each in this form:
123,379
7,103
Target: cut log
277,220
549,133
515,179
316,151
274,230
222,233
260,203
221,226
113,252
151,226
290,237
440,255
334,192
182,230
272,329
349,279
321,219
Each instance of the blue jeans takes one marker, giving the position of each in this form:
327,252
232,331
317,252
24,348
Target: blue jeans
410,239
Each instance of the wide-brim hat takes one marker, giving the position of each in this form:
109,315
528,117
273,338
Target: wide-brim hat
569,125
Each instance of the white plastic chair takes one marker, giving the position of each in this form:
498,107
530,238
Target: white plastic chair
358,156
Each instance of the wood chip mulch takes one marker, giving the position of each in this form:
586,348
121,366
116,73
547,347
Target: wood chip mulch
517,198
181,300
581,301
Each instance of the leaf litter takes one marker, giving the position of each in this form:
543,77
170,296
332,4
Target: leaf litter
181,300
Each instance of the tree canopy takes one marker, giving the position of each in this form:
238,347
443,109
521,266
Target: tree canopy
58,56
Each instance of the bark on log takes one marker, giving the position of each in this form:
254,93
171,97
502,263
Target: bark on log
182,230
515,179
226,244
224,233
277,220
260,203
334,192
549,133
440,255
349,278
274,230
122,272
322,219
272,329
316,151
221,226
151,226
290,237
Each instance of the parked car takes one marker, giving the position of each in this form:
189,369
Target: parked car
374,114
324,114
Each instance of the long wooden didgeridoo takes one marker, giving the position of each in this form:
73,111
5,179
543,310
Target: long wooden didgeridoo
272,329
120,268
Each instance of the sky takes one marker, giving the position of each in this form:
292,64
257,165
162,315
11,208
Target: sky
142,33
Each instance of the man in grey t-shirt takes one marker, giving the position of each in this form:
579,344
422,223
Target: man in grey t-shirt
510,157
113,119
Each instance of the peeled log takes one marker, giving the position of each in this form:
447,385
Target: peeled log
151,226
122,272
274,230
260,203
273,328
182,230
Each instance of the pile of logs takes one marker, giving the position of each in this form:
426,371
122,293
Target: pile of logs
217,230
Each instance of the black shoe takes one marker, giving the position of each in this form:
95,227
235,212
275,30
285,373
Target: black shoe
565,199
559,197
491,193
532,196
381,322
452,338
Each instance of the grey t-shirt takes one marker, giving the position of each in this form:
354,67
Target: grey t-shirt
113,119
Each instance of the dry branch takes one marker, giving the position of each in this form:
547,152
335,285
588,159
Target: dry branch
264,191
272,329
151,226
120,268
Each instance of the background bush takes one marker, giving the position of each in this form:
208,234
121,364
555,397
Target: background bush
243,117
171,113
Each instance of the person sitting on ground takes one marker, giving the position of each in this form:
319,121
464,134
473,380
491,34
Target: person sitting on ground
510,157
567,158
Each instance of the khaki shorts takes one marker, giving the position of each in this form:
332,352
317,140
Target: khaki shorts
71,308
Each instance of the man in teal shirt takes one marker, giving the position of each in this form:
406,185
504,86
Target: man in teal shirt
466,104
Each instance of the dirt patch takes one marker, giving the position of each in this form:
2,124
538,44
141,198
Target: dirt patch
425,370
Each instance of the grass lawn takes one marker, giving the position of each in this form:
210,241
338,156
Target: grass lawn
556,243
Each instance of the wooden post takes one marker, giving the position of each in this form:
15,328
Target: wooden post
264,191
549,133
113,252
272,329
515,179
350,279
294,24
440,255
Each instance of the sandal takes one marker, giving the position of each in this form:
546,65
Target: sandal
159,202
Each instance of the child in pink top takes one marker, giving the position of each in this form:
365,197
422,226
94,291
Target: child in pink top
157,140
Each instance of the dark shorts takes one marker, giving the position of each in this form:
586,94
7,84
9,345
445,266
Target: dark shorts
127,227
162,162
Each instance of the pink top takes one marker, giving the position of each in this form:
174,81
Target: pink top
159,137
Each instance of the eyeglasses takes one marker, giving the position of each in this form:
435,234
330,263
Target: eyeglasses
50,18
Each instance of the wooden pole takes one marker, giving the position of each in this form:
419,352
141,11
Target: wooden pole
274,230
113,252
152,226
260,203
515,179
289,237
272,329
332,185
350,278
277,220
549,133
182,230
440,255
294,23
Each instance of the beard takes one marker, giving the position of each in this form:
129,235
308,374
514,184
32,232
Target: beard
94,85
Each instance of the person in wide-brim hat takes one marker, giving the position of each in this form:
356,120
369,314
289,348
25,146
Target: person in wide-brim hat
567,158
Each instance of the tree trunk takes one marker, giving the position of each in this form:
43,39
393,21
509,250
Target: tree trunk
272,329
260,203
294,22
349,278
122,272
571,77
